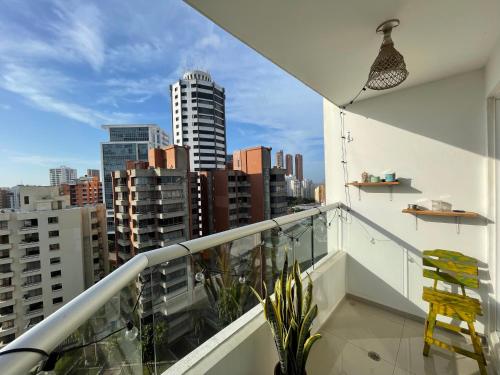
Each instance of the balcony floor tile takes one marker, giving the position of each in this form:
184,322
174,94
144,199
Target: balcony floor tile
356,328
367,328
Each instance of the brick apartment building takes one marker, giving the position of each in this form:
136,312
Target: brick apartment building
248,191
85,191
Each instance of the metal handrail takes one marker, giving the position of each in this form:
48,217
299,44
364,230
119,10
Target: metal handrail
54,329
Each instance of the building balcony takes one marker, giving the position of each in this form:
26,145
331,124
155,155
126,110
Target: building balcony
33,313
142,187
7,302
7,288
28,229
143,215
121,202
4,231
27,300
31,271
6,275
8,331
170,228
144,229
28,258
31,285
24,244
166,215
164,201
141,244
123,229
121,188
6,260
122,215
5,246
6,317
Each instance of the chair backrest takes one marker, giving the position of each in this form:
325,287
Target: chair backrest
450,267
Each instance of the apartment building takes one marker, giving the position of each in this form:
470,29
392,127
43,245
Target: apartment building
279,159
199,120
320,194
5,198
93,173
289,165
250,192
299,167
126,142
153,208
62,175
49,253
85,191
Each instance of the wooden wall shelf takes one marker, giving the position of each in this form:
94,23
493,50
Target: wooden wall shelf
441,213
384,183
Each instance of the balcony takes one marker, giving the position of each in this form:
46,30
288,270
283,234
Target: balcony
170,228
122,215
28,258
166,215
5,246
28,229
439,131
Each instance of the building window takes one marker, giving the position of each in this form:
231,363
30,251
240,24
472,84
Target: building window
54,246
26,200
56,260
53,220
56,287
53,233
57,300
54,274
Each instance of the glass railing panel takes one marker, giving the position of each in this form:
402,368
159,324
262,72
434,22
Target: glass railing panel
295,239
178,305
320,236
107,342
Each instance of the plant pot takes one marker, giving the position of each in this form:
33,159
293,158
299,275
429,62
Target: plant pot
277,370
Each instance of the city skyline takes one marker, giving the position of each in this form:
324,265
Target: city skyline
76,68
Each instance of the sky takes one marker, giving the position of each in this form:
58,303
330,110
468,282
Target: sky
67,67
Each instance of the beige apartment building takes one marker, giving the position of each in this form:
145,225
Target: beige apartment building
49,253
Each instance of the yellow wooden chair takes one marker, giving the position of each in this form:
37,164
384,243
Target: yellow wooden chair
454,268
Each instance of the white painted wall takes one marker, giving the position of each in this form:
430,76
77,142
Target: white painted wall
435,137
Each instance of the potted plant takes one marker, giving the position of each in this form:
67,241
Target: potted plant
290,315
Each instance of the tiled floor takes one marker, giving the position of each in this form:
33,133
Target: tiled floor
357,328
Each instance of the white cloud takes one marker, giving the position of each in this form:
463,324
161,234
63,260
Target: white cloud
40,87
45,160
79,30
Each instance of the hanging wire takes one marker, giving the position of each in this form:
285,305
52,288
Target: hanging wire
343,148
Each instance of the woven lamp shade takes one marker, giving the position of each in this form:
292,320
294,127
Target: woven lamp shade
389,68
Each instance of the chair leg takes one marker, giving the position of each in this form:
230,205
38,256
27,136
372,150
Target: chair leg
430,323
476,343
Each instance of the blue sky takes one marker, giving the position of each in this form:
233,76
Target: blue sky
66,67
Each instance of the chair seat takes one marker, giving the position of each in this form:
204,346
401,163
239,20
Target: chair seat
454,303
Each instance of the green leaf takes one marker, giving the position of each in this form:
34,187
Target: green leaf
307,348
298,290
304,333
307,297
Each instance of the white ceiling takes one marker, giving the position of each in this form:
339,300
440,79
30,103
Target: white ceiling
330,44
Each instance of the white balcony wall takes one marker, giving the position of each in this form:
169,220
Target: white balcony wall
434,136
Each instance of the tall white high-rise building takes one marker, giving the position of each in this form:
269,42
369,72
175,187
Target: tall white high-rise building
62,175
50,252
126,142
198,119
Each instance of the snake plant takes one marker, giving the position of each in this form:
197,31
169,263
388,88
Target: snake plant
290,315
